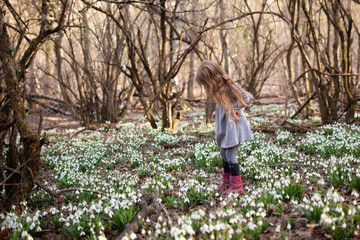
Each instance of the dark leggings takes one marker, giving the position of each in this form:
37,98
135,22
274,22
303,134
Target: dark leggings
229,154
230,163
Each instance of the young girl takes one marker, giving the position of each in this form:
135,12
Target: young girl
231,126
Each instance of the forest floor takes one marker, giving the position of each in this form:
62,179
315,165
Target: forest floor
301,180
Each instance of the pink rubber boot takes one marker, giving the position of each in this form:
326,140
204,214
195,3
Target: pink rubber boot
226,182
235,185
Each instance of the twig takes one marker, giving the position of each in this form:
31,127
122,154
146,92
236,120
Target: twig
303,106
54,193
347,107
323,73
163,208
133,226
291,164
17,171
294,125
170,145
46,189
87,7
48,106
264,129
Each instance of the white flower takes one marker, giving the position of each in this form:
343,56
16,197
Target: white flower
24,234
278,228
288,226
133,236
251,225
355,194
321,181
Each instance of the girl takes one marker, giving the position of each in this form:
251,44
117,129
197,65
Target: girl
231,126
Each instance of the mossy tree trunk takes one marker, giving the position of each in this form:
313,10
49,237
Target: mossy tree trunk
27,160
23,155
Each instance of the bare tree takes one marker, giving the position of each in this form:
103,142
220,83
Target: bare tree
328,67
22,159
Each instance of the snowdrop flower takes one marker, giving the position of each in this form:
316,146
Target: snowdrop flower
24,234
205,228
278,228
28,219
355,194
251,225
133,236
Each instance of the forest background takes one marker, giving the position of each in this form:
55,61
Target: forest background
96,61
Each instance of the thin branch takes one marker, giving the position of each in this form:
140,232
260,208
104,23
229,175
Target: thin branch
303,106
297,126
323,73
15,14
163,208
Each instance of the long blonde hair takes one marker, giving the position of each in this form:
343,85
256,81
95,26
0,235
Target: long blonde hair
219,86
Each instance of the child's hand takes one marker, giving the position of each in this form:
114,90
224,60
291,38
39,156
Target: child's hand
237,115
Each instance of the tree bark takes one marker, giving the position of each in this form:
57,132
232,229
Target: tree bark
191,78
30,161
58,65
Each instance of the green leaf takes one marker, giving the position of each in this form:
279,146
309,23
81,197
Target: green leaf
246,35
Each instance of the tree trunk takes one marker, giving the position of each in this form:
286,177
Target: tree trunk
209,109
293,9
58,64
28,160
223,39
128,103
191,77
319,81
167,116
